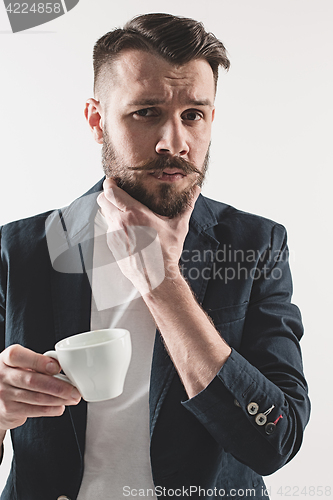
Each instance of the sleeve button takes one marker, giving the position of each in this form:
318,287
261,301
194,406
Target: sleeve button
252,408
270,428
261,419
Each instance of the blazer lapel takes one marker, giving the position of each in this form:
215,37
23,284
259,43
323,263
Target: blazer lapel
196,263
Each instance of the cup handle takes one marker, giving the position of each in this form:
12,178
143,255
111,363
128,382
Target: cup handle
60,376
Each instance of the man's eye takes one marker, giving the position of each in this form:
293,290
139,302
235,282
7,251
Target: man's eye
192,116
147,112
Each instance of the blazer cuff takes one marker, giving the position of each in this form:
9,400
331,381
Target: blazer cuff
230,406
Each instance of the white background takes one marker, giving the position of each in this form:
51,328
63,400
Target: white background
271,150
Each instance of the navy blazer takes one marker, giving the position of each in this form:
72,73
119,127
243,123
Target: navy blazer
237,266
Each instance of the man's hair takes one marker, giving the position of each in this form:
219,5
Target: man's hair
176,39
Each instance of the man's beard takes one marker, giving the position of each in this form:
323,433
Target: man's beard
164,199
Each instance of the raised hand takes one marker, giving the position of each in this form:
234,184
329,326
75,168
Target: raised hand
147,246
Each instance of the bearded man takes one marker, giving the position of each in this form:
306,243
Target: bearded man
215,395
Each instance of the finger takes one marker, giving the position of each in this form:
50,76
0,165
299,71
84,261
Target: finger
40,399
119,198
111,213
17,356
106,204
22,411
43,411
109,183
16,378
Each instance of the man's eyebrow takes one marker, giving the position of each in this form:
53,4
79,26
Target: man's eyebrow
156,102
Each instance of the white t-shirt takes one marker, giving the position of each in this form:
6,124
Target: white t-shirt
117,437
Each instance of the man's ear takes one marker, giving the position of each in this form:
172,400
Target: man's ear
93,114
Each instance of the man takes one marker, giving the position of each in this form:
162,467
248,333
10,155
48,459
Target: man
227,396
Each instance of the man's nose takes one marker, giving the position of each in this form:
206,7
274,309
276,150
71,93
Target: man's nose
172,139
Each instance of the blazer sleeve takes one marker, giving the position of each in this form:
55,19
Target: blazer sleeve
264,376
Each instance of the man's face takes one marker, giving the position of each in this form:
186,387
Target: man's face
157,127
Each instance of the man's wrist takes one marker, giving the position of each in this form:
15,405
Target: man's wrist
172,271
172,281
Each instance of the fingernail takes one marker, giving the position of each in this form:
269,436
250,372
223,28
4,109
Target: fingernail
75,394
52,367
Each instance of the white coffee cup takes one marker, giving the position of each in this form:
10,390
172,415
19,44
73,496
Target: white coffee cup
95,362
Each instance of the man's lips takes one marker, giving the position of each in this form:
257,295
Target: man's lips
172,171
168,175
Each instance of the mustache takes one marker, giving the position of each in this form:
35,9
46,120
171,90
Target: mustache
163,162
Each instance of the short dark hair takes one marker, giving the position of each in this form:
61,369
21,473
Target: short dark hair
176,39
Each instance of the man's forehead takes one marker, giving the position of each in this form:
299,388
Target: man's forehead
140,95
140,72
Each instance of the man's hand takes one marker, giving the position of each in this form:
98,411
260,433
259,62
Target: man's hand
196,348
27,388
147,246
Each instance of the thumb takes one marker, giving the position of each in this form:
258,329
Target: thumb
17,356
